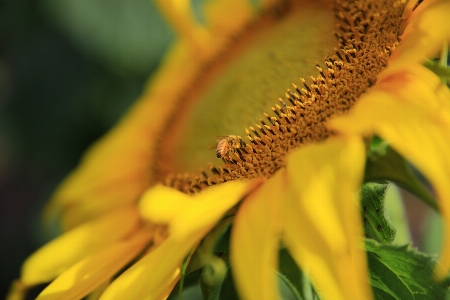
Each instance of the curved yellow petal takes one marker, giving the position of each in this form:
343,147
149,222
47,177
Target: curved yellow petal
209,206
323,228
17,291
255,240
217,16
61,253
426,31
180,16
149,277
162,204
189,219
95,269
410,108
409,8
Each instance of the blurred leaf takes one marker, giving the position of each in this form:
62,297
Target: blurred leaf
190,280
442,71
376,225
434,230
289,273
400,273
128,36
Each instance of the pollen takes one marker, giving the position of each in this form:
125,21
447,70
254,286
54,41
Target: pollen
365,33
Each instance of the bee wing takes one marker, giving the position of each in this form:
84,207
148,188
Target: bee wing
218,139
213,146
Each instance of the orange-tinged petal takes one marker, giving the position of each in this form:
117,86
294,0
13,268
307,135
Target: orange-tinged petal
189,219
61,253
255,240
95,295
410,108
217,15
89,273
427,29
323,229
17,291
409,8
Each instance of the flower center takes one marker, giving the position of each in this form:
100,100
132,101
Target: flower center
299,40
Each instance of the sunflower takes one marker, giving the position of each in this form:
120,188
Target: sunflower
149,203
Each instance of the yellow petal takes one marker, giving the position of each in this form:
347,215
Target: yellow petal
209,206
189,218
17,291
179,14
149,277
323,229
186,214
217,14
427,30
97,268
410,108
409,8
162,204
61,253
255,241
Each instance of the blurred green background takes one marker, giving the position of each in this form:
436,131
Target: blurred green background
68,70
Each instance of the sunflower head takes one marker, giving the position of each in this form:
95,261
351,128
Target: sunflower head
290,91
274,84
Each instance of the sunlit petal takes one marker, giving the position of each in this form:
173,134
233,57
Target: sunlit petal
64,251
162,204
149,277
426,30
89,273
410,109
323,229
189,218
255,240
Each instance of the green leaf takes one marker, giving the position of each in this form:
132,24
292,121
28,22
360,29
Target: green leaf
291,275
190,280
376,225
397,215
228,290
212,277
293,278
383,163
440,70
401,273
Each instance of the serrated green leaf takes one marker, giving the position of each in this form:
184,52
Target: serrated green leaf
376,225
401,273
383,163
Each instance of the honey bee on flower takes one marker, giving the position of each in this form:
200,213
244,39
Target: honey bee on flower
227,143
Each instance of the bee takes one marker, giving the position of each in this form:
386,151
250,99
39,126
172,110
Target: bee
227,143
